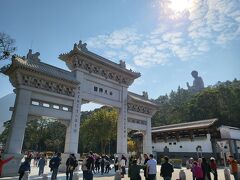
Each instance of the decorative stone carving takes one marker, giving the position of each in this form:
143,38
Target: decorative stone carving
104,72
122,64
98,65
145,94
36,82
82,46
137,121
33,57
139,108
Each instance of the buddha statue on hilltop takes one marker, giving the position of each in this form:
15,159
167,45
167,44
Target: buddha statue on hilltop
198,84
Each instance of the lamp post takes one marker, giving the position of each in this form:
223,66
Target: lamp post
199,151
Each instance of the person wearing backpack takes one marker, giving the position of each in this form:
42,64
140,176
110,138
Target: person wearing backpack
54,164
25,166
71,164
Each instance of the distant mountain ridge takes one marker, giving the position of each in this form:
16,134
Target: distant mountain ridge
5,103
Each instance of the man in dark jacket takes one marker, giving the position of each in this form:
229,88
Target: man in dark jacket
71,164
54,164
134,170
25,166
166,169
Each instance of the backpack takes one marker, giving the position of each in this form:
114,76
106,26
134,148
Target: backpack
23,167
89,163
75,163
51,163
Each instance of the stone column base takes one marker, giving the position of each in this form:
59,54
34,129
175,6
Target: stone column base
11,167
65,156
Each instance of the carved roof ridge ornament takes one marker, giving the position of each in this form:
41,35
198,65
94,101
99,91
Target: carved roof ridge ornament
81,58
33,57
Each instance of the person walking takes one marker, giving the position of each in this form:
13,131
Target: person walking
134,171
146,158
233,167
90,166
102,164
123,165
84,168
206,169
97,164
2,162
107,167
151,168
166,169
213,166
191,165
197,171
24,167
41,164
54,164
71,164
116,164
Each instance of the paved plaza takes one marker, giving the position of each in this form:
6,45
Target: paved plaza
110,176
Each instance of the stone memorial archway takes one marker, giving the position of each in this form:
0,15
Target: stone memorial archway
45,90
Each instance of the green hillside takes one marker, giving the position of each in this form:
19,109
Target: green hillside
220,101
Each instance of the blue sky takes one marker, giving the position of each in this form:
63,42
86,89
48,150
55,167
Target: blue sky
164,40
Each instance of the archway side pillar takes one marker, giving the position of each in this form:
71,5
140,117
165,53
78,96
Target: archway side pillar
147,138
17,130
122,124
72,132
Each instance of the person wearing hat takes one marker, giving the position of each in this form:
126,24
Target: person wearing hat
213,166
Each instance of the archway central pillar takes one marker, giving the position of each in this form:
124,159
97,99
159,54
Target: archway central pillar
122,124
147,139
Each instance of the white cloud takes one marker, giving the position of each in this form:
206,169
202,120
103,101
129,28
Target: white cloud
131,67
206,23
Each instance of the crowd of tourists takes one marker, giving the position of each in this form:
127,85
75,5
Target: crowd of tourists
54,164
93,163
150,168
202,168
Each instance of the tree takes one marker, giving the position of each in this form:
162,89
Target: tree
221,101
6,46
40,135
5,133
99,129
